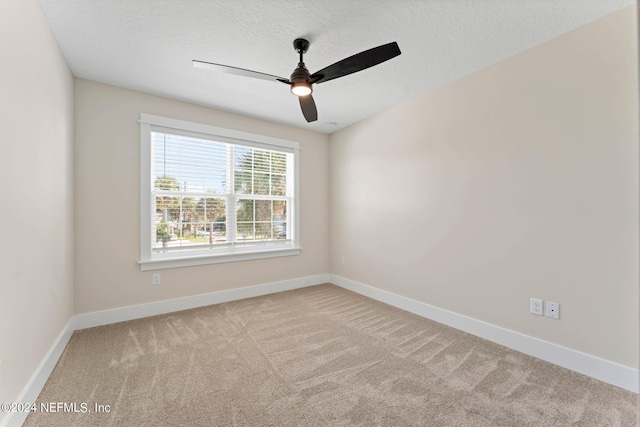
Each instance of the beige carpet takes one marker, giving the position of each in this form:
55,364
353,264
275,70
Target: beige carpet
318,356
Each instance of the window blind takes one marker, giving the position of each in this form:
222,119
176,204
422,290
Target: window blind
216,195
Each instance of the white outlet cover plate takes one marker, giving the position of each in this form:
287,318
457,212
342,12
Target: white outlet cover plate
535,306
552,310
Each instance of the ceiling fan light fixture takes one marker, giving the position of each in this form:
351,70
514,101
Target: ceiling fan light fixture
301,89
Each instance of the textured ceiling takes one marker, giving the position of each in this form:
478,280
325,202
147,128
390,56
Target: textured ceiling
148,45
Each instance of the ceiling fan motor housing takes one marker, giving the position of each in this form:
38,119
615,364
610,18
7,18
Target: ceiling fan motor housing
300,74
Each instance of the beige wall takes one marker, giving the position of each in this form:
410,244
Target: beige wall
517,181
108,203
36,171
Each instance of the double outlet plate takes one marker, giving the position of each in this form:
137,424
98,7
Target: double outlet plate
548,308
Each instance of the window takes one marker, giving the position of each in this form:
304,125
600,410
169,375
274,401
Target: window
213,195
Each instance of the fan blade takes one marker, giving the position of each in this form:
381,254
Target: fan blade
237,71
358,62
308,107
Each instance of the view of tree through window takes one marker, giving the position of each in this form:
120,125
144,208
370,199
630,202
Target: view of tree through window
213,194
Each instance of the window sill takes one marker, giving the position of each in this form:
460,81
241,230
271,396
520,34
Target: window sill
158,264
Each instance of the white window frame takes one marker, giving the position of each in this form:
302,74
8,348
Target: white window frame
149,261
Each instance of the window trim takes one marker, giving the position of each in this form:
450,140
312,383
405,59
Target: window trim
147,261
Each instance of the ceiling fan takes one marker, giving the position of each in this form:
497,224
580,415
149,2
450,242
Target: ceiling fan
301,81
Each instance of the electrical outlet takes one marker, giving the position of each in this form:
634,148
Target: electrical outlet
156,279
343,261
535,306
552,310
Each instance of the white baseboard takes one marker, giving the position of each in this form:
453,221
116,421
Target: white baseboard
40,376
121,314
592,366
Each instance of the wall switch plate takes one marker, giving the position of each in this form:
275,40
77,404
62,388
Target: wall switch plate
552,310
343,261
156,279
535,306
